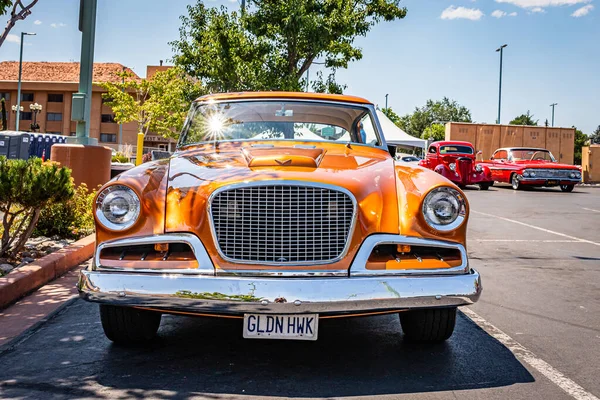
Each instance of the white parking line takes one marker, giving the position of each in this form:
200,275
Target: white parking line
555,376
538,228
591,209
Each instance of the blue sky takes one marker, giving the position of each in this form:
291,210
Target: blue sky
442,48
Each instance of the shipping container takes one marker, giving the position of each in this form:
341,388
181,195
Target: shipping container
567,145
462,132
553,141
511,136
590,163
488,140
534,136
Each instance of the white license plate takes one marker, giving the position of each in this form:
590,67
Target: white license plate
278,326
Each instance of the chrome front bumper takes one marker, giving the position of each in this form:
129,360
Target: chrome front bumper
238,295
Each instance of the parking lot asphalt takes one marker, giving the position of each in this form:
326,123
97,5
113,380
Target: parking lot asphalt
535,333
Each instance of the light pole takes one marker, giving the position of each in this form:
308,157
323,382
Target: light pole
386,101
501,50
553,105
19,108
16,111
35,109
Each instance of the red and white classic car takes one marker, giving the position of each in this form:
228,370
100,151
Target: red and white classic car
456,162
524,166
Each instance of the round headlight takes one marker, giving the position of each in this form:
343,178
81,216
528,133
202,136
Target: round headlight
532,173
572,175
478,168
577,174
117,207
444,209
526,174
452,166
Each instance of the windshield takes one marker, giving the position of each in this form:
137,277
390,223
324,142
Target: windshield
531,154
278,120
456,150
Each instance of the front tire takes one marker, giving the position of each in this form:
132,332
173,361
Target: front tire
567,188
428,325
515,182
124,325
485,185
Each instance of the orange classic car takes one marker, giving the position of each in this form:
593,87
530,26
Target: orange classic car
281,209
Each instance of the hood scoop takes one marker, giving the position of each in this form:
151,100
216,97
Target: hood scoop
301,156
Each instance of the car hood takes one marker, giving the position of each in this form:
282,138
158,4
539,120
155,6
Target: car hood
368,173
542,165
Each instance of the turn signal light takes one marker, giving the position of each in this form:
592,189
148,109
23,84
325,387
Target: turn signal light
161,247
403,248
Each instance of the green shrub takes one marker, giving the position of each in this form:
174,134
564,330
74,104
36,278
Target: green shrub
72,219
120,158
26,187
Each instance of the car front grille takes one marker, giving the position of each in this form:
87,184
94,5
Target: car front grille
282,224
552,173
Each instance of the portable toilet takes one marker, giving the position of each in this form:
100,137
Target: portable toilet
47,146
39,146
4,144
19,145
62,139
32,144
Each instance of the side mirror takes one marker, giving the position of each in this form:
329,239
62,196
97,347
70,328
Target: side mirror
479,152
491,158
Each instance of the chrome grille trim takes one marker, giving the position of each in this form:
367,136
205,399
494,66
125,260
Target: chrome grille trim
259,235
551,173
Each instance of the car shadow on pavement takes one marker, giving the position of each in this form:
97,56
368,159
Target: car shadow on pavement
70,357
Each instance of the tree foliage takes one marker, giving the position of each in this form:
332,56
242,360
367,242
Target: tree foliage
524,119
595,136
18,11
26,187
436,132
272,43
158,105
395,118
581,140
440,111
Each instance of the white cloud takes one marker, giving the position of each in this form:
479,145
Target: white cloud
537,10
59,25
513,14
13,38
583,11
543,3
498,14
37,22
453,12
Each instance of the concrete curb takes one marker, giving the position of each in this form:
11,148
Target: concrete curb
21,281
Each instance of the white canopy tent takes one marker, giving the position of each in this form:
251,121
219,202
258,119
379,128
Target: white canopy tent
396,136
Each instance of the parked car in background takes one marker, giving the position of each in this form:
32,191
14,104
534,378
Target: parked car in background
280,209
533,167
456,161
409,158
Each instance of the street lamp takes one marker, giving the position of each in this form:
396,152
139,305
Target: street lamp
15,108
35,109
553,105
20,72
501,49
386,101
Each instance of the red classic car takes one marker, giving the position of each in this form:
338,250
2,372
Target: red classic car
524,166
456,162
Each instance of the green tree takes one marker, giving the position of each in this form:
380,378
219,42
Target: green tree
158,105
395,118
26,187
580,140
435,131
595,136
524,119
18,11
271,44
441,111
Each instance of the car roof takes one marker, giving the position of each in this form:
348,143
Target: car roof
283,95
451,142
522,148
